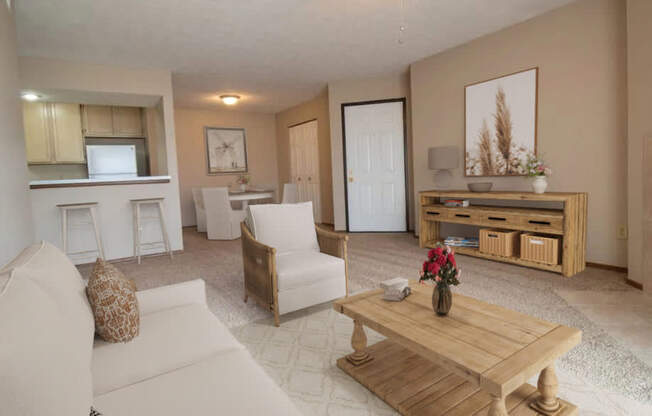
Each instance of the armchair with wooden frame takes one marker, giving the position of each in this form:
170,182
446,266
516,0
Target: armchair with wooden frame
291,263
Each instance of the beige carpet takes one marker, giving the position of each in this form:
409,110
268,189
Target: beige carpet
600,361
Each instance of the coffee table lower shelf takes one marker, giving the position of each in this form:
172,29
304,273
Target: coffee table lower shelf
415,386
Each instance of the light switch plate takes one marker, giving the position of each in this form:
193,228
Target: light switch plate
622,232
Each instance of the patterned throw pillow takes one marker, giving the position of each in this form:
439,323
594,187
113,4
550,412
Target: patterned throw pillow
113,299
94,412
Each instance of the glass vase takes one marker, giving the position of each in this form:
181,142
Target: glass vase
442,299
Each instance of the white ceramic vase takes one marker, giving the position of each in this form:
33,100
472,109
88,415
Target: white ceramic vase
539,184
243,187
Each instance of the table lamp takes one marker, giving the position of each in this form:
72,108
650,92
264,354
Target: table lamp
442,159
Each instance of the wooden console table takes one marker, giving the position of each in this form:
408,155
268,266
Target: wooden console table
568,222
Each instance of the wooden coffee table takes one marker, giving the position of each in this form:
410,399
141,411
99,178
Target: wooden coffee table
475,361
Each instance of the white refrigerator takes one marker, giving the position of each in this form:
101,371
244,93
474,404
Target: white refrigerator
111,162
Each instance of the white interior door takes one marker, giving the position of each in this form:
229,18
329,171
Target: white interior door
375,166
304,164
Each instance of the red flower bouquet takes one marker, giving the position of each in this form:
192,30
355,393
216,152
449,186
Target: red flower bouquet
442,268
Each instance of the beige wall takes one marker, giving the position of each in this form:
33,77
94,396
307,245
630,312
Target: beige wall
639,60
580,51
260,131
368,89
315,109
15,207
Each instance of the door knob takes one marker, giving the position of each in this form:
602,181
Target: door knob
350,179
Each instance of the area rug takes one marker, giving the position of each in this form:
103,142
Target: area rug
300,356
600,360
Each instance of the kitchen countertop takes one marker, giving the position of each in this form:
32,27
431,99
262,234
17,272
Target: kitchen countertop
70,183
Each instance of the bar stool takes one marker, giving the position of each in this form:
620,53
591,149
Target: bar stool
136,204
91,207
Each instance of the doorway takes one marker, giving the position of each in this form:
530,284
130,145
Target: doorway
374,141
304,164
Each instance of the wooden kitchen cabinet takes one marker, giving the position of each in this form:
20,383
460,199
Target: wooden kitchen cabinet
53,133
98,120
37,134
67,133
112,121
127,122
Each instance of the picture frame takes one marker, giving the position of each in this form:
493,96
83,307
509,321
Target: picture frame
500,124
226,150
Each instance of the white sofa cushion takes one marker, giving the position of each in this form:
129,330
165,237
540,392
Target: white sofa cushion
171,296
228,383
286,227
46,336
168,340
306,268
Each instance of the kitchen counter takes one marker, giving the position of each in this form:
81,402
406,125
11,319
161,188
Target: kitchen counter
72,183
114,214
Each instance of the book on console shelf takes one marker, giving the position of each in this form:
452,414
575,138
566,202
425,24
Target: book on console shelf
461,242
456,203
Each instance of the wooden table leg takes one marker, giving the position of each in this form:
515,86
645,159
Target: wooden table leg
548,385
497,407
359,344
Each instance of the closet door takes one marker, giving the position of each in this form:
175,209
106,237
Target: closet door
304,164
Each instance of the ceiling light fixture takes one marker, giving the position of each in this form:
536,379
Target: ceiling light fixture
229,99
30,96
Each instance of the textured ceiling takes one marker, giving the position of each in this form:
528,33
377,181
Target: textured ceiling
275,53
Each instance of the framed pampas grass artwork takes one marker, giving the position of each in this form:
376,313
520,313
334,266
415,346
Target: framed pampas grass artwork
500,124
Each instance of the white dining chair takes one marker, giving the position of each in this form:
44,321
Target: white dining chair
200,211
290,193
222,221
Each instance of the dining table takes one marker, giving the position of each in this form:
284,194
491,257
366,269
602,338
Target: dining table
244,196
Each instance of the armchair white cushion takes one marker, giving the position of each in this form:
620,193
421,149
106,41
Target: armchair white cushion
307,278
286,227
222,221
200,211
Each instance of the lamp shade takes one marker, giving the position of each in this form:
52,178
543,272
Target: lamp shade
443,157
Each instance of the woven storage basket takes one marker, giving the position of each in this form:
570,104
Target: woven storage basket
499,242
539,248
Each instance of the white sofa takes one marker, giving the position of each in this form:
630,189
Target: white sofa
183,362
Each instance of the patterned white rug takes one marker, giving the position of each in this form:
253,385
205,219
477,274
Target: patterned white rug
300,356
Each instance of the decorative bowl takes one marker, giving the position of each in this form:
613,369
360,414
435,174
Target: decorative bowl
480,186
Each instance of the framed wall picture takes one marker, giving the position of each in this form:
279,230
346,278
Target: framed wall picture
500,124
226,149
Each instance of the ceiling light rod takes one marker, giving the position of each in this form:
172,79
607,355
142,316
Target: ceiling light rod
229,99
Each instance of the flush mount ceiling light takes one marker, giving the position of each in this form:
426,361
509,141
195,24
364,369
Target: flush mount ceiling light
30,96
229,99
